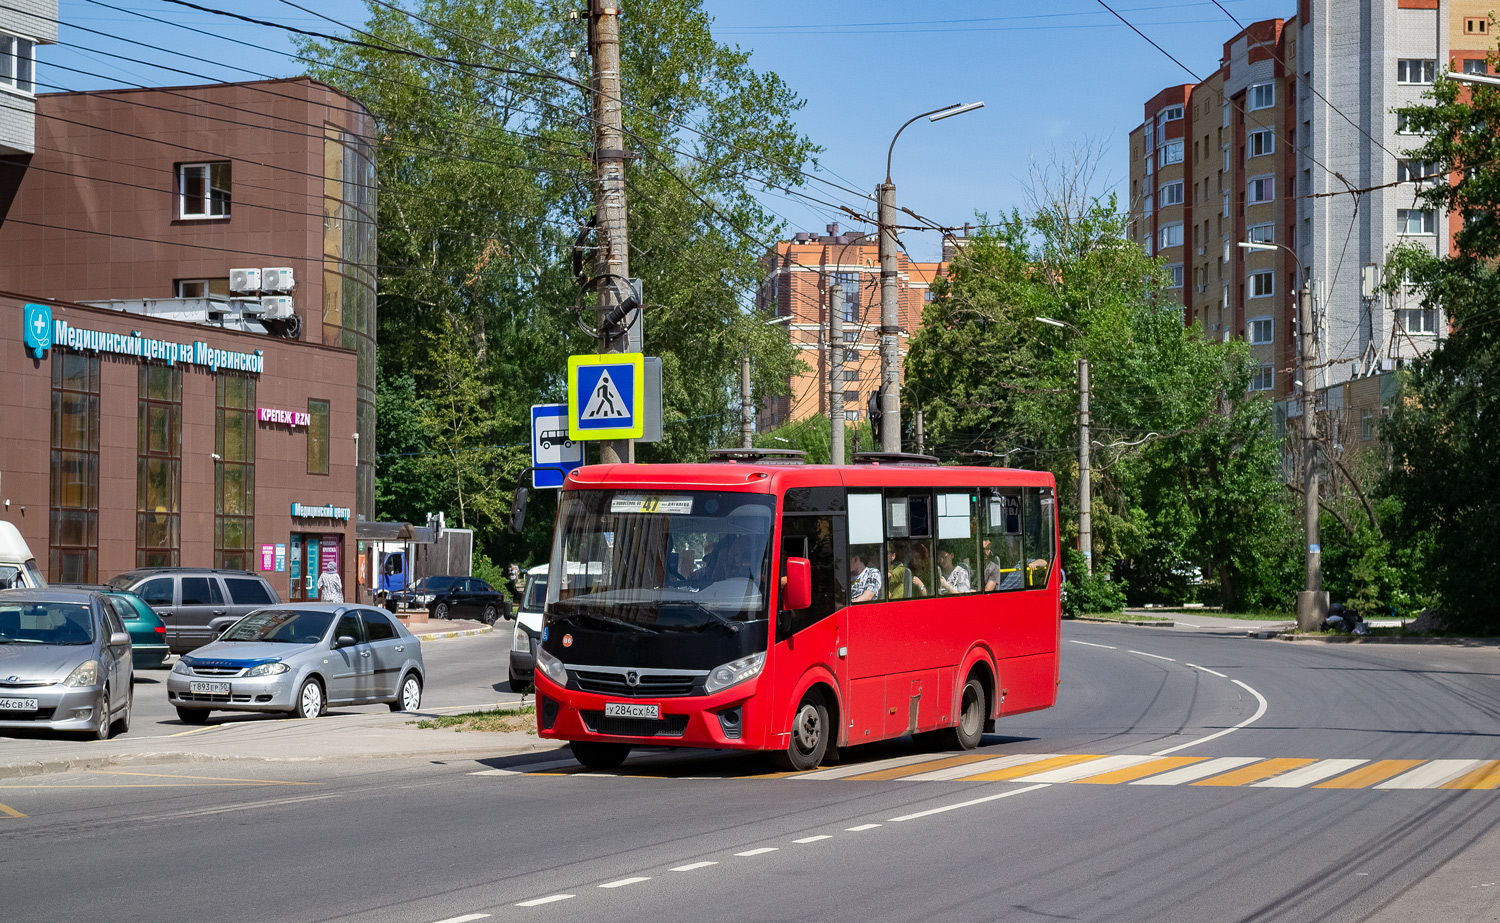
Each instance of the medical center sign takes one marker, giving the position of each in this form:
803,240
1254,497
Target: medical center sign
44,332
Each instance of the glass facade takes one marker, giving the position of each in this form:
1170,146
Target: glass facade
73,547
317,437
234,473
158,518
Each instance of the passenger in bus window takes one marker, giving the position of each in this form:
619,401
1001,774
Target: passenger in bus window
953,578
919,566
900,577
866,579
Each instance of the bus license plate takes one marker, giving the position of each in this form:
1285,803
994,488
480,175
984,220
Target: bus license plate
18,704
209,688
631,710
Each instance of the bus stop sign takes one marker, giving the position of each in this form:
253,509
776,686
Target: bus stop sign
605,396
551,446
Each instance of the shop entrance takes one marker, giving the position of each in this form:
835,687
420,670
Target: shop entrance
309,555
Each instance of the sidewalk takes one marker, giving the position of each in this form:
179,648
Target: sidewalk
428,630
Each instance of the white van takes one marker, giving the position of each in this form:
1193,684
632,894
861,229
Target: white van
17,563
528,628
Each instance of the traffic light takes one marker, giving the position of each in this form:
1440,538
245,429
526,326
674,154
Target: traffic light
873,406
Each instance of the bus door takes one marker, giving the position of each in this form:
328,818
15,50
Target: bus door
812,527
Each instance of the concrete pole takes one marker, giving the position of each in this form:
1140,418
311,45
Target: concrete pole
1085,489
1312,602
747,409
612,259
921,436
890,357
836,371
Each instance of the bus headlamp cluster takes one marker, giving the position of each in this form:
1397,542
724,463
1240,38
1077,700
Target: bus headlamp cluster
735,671
551,666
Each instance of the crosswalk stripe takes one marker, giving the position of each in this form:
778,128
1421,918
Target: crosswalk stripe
1093,767
1056,762
1141,770
840,772
986,765
1307,775
1486,777
1201,771
901,772
1432,775
1365,776
1254,772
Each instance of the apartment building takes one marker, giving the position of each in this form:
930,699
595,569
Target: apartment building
24,24
1293,142
800,275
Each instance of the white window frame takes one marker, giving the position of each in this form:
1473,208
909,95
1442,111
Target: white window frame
1264,378
1165,236
1164,199
215,208
16,51
1415,71
1226,204
1265,139
1253,281
1170,114
1174,275
1258,90
1476,66
1148,204
1168,149
1261,330
1269,179
1416,171
1261,233
1428,222
1426,321
1402,125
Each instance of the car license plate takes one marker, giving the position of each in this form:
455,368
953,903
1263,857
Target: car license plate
631,710
209,688
18,704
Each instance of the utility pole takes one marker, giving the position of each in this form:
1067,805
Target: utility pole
1085,491
612,259
921,436
890,357
836,370
747,409
1312,602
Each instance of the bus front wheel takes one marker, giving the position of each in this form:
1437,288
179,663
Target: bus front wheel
972,710
599,755
809,738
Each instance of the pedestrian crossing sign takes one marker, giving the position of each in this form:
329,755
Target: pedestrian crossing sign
606,396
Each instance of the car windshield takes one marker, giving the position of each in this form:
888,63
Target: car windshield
280,626
536,593
46,623
672,561
435,584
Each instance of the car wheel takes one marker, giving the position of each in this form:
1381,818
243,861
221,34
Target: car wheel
519,685
490,614
409,696
440,611
102,722
971,714
192,715
310,702
599,755
122,723
809,738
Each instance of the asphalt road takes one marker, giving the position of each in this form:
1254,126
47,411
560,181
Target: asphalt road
702,837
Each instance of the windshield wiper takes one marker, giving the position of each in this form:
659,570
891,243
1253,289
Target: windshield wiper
610,620
731,624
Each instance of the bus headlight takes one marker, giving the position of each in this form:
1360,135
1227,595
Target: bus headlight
520,642
552,667
735,671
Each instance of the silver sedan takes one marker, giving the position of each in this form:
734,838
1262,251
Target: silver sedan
300,658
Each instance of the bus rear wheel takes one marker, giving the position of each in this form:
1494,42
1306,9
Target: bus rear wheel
599,755
972,710
808,741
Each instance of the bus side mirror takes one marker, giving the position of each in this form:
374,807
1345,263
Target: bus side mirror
798,584
518,511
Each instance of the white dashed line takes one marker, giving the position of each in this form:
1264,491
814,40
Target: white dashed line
860,828
1206,670
757,852
549,899
814,839
466,918
1108,647
1229,730
1157,656
625,881
693,865
965,804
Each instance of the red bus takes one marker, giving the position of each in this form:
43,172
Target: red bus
758,604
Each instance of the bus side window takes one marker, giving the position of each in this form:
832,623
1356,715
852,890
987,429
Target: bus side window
957,546
1001,517
909,553
866,550
816,538
1041,535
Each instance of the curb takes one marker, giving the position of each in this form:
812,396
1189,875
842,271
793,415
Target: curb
440,635
1166,623
1369,639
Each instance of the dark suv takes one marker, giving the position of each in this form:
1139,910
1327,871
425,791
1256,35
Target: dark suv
190,599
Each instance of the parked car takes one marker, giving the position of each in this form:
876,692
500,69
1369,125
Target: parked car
17,564
299,658
189,599
448,597
148,634
528,629
64,663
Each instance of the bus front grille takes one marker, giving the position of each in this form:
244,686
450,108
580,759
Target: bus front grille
649,685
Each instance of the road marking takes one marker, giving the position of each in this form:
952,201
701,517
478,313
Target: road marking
525,768
549,899
626,881
1366,776
985,765
863,768
213,727
1108,647
1485,777
9,811
814,839
757,852
466,918
1434,774
692,866
1259,712
1201,771
861,828
1255,772
1039,763
1157,656
967,804
1317,772
1206,670
1187,624
1091,768
165,775
929,765
1142,770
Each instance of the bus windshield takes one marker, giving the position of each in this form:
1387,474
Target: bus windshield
647,562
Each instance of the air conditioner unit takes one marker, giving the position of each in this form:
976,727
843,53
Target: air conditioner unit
244,281
1202,251
278,279
1202,289
276,307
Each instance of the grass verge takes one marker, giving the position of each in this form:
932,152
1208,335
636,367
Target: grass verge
505,719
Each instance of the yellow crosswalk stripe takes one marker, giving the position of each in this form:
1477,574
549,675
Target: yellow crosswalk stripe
9,811
1131,773
1026,769
1365,776
1486,776
1265,769
901,772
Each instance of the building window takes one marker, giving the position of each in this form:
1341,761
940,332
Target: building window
234,472
17,64
1171,152
202,288
851,397
1262,284
1262,142
1415,70
1171,114
1262,96
1261,233
1174,275
1149,205
1264,378
1418,321
1366,425
1262,330
1474,25
1412,171
1262,189
1476,66
1404,125
1226,205
74,527
1415,221
317,437
1171,235
203,190
158,477
1171,193
849,282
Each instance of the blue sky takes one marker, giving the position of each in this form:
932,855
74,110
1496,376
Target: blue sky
1052,76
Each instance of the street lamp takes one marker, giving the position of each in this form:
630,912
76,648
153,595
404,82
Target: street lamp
890,398
1483,79
1312,602
1085,489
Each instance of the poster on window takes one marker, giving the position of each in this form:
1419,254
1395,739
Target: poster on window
267,557
329,553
